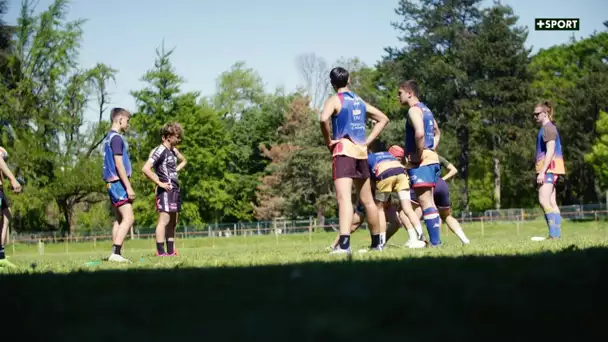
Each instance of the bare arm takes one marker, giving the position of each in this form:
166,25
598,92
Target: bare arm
122,172
451,173
182,160
329,108
548,156
381,122
415,116
147,170
437,135
6,171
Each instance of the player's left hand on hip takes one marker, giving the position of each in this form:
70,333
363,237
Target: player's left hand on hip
540,179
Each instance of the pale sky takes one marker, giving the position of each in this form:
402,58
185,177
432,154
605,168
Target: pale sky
211,35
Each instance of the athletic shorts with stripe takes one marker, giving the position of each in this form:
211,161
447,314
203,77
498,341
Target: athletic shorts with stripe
424,176
399,183
118,193
168,201
551,178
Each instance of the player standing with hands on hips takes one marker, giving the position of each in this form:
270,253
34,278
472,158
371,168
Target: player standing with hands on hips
161,168
348,145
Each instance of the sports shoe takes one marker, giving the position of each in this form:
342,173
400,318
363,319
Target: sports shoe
118,258
415,244
339,250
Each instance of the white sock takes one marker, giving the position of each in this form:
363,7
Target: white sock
419,230
412,234
382,238
460,233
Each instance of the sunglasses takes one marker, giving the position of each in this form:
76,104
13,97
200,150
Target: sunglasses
537,113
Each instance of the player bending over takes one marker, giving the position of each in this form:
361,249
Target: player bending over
161,168
348,145
389,176
4,204
549,165
116,173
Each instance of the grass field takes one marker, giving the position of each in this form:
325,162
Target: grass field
287,288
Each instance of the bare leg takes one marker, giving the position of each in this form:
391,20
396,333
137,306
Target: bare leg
170,234
453,224
161,228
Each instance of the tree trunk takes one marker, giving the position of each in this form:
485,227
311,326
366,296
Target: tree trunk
496,182
320,217
67,209
463,140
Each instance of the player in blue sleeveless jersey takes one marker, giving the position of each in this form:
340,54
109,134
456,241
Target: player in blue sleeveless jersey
116,173
421,139
347,142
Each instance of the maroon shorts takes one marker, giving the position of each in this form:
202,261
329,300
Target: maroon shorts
348,167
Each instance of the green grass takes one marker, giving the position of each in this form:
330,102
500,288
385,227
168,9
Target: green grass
287,288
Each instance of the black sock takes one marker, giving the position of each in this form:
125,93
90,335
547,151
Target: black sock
2,256
375,240
116,249
170,244
344,242
160,247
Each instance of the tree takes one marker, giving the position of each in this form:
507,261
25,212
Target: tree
497,62
598,156
315,72
434,33
45,98
237,89
299,177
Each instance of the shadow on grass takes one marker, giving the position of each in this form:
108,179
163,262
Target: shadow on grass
549,296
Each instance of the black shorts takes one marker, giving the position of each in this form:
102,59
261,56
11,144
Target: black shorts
348,167
4,204
168,201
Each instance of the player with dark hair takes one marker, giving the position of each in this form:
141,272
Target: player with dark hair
4,204
347,142
116,173
549,166
421,139
161,168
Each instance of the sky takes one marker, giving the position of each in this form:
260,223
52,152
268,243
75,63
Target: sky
209,36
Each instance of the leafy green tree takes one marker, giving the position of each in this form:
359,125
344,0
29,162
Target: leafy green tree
598,156
434,34
497,62
44,105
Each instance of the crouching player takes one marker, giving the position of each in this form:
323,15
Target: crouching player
389,177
